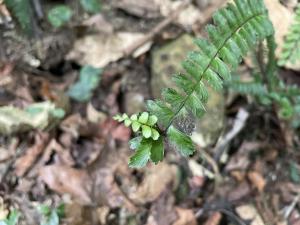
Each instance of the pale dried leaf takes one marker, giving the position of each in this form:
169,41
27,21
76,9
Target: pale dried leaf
185,217
98,50
25,162
249,212
257,180
156,180
13,119
64,179
214,219
281,18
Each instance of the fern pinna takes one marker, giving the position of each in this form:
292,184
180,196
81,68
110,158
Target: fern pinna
21,9
237,29
291,46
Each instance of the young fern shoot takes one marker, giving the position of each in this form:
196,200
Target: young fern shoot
236,30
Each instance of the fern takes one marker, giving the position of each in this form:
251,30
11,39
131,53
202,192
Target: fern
237,29
291,47
21,9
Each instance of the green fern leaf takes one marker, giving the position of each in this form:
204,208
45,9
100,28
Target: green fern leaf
291,46
21,10
146,149
180,141
237,28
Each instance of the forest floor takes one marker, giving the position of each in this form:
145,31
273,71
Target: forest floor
244,171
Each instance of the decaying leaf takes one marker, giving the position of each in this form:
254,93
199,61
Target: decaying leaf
35,116
257,180
24,163
107,192
64,179
99,50
185,217
249,212
214,219
156,180
277,12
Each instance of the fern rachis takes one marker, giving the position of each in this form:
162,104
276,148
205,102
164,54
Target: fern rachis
237,29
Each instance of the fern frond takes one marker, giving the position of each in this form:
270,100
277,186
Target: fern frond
21,10
248,88
237,29
291,46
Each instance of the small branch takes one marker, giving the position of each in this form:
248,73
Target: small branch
238,124
156,30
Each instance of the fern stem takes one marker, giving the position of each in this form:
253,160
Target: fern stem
207,67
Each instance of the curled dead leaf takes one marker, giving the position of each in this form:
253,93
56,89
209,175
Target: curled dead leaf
156,180
64,179
185,217
25,162
257,180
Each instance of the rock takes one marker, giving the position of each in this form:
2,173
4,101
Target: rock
167,61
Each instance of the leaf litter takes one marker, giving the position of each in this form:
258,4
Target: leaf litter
73,152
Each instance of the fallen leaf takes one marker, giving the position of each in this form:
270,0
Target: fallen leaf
99,50
294,218
75,214
99,23
257,180
249,212
187,17
156,180
214,219
25,162
141,8
276,12
107,191
162,211
102,213
64,179
185,217
241,159
116,130
38,115
93,115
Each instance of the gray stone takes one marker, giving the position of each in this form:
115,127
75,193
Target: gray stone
165,62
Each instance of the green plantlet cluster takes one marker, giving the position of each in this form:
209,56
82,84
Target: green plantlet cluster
12,219
144,122
89,78
291,47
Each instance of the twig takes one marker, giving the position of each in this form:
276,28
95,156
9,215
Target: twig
238,125
156,30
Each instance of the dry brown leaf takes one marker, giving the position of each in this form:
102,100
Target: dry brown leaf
214,219
162,211
107,191
249,212
257,180
64,179
282,18
75,214
186,217
141,8
294,218
156,180
25,162
241,159
99,50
